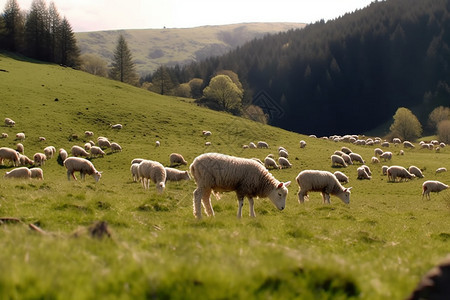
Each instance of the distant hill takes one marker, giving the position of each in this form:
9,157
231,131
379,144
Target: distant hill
153,47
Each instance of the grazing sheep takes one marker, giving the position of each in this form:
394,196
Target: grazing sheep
134,171
378,152
438,149
39,159
9,154
347,159
222,173
302,144
386,156
19,148
258,160
154,171
338,152
20,136
346,150
385,144
432,186
97,151
137,160
206,133
103,143
88,133
356,157
396,141
363,174
283,153
24,160
401,152
157,143
62,155
88,146
341,176
270,163
284,163
208,144
397,171
367,169
82,165
440,170
115,147
41,139
49,151
244,146
77,151
9,122
4,135
384,170
407,144
21,172
321,181
252,145
375,160
176,175
177,159
416,171
37,173
442,145
116,126
262,144
337,160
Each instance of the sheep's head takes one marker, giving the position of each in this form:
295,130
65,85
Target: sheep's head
345,195
160,187
279,194
97,175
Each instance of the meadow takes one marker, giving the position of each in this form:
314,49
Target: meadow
377,247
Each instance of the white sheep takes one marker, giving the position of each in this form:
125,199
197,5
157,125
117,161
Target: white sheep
62,155
97,151
386,155
9,122
362,173
385,144
20,136
416,171
302,144
347,159
442,145
270,163
258,160
337,160
206,133
262,144
87,146
321,181
378,151
346,150
396,141
222,173
408,144
137,160
39,159
176,175
341,177
177,159
245,147
356,157
283,153
20,148
207,144
21,172
77,151
384,170
375,160
49,151
284,163
154,171
157,143
340,153
398,171
82,165
134,171
401,152
24,160
104,143
41,139
432,186
4,135
37,173
115,147
116,126
88,133
252,145
440,170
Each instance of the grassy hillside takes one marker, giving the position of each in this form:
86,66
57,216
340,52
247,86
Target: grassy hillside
153,47
377,247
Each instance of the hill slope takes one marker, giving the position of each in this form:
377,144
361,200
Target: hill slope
154,47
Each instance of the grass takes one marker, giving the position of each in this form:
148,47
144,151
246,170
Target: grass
378,247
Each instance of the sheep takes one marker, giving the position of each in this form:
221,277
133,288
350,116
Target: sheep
134,171
9,154
270,163
396,141
386,155
262,144
284,163
346,150
362,173
440,170
62,155
375,160
21,172
97,151
384,170
283,153
104,143
416,171
302,144
407,144
258,160
177,159
20,148
176,175
347,159
401,152
88,133
432,186
378,151
4,135
137,160
442,145
77,151
24,160
341,177
39,159
340,153
115,147
9,122
252,145
321,181
336,160
157,143
49,151
385,144
20,136
244,146
206,133
82,165
41,139
207,144
222,173
116,126
356,157
87,146
37,173
154,171
397,171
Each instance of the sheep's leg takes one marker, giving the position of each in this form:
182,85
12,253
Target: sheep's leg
251,206
197,203
301,196
326,197
206,201
240,205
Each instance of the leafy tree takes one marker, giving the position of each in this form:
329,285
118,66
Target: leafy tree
438,114
123,68
443,131
162,82
225,92
196,85
94,64
183,90
406,125
13,27
69,52
255,113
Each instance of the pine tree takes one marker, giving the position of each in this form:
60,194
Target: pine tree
13,22
37,32
54,26
123,68
68,49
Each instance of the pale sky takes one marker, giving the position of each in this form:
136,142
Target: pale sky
97,15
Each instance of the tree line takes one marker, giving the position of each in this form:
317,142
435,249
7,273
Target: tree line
40,33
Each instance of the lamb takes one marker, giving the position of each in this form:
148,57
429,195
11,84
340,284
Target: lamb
346,150
321,181
21,172
283,153
49,151
157,143
432,186
37,173
375,160
116,126
336,160
134,171
104,143
20,136
302,144
270,163
9,122
97,151
62,155
356,157
82,165
416,171
177,159
397,171
386,156
407,144
115,147
440,170
24,160
77,151
378,151
284,163
39,159
20,148
176,175
88,146
222,173
154,171
341,177
401,152
9,154
206,133
88,133
252,145
363,174
262,144
42,139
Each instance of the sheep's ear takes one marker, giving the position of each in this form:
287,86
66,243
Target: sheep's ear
348,189
286,184
280,185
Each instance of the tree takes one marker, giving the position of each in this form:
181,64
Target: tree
225,92
123,68
196,85
406,125
162,82
438,114
255,113
443,131
94,64
69,52
37,31
13,27
54,27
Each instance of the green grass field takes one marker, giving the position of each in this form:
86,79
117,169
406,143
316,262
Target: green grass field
377,247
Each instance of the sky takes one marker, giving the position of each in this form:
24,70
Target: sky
99,15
